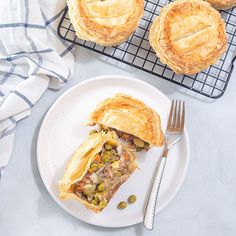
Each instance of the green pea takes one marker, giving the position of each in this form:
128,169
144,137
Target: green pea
100,165
101,187
103,203
94,202
96,198
92,132
138,142
94,166
139,149
108,147
132,199
122,205
106,157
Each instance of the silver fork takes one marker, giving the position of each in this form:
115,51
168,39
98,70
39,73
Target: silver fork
174,132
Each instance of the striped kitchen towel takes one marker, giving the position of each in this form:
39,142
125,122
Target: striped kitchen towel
32,59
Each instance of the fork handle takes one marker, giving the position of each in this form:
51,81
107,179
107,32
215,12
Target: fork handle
148,220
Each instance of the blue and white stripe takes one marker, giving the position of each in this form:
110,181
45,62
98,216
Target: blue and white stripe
32,59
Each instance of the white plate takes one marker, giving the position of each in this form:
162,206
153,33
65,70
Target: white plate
63,130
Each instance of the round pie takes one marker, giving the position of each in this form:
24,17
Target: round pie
222,4
188,36
105,22
128,115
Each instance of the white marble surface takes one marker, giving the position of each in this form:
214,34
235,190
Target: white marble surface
205,205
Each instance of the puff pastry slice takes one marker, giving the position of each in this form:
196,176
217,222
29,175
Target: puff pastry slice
96,171
129,116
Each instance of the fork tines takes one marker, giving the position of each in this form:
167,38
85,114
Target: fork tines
176,116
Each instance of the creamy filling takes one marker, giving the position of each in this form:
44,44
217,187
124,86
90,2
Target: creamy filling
110,168
131,141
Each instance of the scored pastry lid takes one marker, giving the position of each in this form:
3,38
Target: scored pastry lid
129,115
105,22
188,36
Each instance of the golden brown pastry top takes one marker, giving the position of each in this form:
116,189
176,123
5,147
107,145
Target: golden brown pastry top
222,4
129,115
106,22
189,36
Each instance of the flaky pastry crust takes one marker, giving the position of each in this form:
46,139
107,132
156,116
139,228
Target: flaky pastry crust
129,115
105,22
188,36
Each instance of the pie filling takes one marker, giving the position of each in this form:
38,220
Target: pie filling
130,141
110,168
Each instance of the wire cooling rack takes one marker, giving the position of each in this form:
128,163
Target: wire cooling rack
136,52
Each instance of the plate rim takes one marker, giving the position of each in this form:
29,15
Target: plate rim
51,108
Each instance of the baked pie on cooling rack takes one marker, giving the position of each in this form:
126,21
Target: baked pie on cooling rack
105,22
188,36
